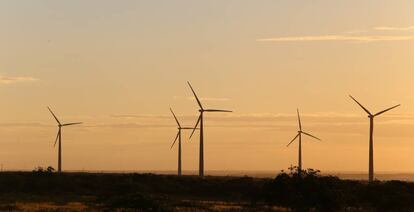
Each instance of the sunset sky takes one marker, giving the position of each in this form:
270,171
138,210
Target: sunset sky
118,66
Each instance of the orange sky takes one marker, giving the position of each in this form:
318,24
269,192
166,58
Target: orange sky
119,66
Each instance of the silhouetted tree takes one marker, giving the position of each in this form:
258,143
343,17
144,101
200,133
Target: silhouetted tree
50,169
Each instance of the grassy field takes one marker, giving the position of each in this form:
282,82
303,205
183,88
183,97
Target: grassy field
95,192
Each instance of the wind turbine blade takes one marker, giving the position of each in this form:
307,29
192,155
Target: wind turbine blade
194,129
379,113
195,95
214,110
175,117
300,123
189,128
311,136
57,138
54,115
293,140
366,110
71,124
175,140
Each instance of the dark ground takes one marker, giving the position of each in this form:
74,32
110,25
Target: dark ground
87,191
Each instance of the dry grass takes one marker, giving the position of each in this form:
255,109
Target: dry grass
47,206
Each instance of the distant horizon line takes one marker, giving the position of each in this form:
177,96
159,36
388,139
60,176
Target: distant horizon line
211,171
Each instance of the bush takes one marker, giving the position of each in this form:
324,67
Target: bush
40,169
328,193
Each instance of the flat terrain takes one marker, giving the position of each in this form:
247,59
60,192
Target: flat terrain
87,191
78,191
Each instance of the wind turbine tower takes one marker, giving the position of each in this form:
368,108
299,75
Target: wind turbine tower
371,136
200,122
299,135
178,137
59,138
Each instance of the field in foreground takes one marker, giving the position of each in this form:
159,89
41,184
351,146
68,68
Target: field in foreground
87,191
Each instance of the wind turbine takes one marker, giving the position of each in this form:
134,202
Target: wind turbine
59,138
201,122
299,135
371,136
179,140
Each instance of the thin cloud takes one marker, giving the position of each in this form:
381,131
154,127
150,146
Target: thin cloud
28,124
129,125
388,28
139,116
211,99
11,80
367,38
260,118
332,121
356,32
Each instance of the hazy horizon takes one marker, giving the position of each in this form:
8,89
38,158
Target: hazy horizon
347,175
118,66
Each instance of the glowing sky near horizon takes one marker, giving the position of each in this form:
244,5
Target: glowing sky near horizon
118,66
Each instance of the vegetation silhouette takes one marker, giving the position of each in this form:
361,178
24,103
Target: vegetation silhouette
329,193
40,169
288,191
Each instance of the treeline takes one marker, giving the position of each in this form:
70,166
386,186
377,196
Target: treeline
329,193
162,192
